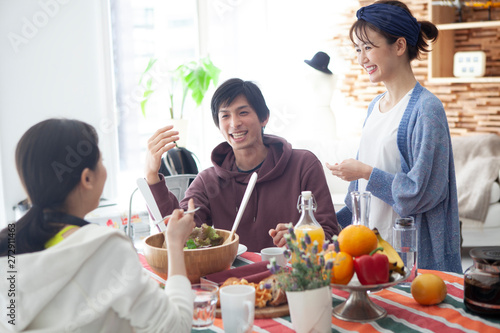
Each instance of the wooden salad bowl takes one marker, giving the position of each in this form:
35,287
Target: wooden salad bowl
199,262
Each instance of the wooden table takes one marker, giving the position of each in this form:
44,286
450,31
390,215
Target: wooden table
403,313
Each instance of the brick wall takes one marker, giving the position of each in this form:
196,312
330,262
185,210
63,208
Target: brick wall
470,107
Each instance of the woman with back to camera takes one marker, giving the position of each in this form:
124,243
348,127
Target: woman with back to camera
405,157
73,276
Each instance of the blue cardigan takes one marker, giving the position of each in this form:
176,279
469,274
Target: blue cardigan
426,188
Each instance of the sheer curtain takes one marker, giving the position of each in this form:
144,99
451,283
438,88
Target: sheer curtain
142,30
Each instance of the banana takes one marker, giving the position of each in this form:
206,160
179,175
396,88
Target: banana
395,262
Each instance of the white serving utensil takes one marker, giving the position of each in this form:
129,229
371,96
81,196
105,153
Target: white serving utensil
246,196
150,201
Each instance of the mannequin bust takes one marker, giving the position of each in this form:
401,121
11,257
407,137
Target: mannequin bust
318,87
317,119
311,121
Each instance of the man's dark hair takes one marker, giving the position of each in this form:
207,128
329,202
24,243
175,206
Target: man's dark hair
232,88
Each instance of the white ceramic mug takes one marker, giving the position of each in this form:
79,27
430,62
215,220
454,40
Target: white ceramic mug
274,252
237,307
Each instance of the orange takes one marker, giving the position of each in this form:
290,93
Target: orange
357,239
343,267
428,289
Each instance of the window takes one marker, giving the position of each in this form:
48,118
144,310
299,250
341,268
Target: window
163,29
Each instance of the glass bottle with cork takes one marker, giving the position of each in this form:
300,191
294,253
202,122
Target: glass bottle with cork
307,223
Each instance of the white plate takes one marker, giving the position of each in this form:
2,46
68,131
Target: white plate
241,249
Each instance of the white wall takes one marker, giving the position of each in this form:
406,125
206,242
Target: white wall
55,61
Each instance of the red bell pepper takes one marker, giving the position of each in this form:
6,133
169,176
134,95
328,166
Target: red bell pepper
372,268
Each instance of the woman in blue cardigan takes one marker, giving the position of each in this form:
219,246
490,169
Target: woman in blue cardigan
405,157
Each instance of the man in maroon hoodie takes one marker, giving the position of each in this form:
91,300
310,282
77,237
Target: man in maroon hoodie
240,112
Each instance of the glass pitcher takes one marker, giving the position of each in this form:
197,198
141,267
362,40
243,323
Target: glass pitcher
361,207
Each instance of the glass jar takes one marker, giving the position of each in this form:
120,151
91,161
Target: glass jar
482,281
404,241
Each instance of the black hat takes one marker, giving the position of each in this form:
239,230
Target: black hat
320,62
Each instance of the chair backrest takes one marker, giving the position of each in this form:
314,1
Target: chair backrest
177,161
178,184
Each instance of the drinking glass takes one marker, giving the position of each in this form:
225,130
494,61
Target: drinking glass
205,300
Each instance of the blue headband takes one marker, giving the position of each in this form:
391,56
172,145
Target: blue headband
391,19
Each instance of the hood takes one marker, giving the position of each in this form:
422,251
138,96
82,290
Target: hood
278,155
41,275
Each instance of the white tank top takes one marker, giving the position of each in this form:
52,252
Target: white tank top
378,148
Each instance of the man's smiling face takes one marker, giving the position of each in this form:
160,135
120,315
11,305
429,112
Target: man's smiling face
240,124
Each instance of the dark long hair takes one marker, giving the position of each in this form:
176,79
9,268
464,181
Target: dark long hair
50,158
226,93
428,32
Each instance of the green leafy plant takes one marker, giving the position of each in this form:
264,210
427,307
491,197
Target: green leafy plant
309,268
195,77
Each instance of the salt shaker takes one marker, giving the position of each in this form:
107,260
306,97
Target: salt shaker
404,238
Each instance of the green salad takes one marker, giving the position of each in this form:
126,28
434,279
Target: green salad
204,236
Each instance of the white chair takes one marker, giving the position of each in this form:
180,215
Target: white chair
153,208
178,184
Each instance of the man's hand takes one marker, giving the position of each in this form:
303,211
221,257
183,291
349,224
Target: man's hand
278,234
350,170
161,142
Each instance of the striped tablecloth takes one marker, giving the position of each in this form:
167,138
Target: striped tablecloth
403,313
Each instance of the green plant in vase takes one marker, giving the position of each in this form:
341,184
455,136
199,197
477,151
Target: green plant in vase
309,270
307,284
194,76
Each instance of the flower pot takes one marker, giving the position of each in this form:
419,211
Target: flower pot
311,310
181,125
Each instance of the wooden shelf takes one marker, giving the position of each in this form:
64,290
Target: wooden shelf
453,79
441,58
468,25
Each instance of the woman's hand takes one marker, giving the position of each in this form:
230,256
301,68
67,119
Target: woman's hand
179,226
278,234
161,142
350,170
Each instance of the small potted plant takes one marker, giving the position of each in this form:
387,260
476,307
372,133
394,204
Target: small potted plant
307,284
194,76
